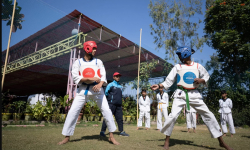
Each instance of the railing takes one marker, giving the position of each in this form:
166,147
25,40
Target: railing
60,48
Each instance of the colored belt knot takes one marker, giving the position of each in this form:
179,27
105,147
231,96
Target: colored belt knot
160,105
88,85
186,92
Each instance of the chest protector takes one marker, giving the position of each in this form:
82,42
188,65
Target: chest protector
186,76
89,70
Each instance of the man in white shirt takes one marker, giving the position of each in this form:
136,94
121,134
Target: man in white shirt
191,118
144,105
162,108
226,114
90,86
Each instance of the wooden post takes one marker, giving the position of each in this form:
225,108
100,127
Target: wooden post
139,62
8,47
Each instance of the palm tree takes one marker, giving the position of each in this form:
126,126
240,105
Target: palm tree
7,9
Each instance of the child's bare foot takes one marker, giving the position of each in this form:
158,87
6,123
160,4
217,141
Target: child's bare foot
64,141
224,134
194,131
166,144
231,135
146,128
113,141
137,128
223,144
188,130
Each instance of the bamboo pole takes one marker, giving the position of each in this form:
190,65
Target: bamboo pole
139,62
8,47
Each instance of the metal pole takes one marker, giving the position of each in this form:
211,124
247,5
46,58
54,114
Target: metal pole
138,75
8,47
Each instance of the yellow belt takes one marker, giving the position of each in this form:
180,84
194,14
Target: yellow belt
160,105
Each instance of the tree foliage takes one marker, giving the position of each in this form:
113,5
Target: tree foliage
237,90
146,69
227,24
7,10
175,25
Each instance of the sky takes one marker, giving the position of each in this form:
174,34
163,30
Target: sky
125,17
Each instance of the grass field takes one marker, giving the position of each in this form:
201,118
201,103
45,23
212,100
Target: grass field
86,137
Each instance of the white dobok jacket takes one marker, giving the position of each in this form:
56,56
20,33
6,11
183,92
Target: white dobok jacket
144,104
225,106
162,98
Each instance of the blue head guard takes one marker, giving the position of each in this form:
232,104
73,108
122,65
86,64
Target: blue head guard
185,51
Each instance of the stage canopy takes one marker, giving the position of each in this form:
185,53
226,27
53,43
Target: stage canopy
51,74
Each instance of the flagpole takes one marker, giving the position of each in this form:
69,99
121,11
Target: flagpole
139,62
8,47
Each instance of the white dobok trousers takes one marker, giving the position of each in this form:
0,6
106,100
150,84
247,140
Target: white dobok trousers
162,110
198,104
191,119
77,105
147,118
227,118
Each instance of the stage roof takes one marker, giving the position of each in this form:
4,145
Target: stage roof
117,53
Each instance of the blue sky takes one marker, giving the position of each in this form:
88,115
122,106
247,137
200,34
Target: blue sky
125,17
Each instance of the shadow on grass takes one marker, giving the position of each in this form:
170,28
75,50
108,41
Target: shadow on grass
246,136
183,131
182,142
97,137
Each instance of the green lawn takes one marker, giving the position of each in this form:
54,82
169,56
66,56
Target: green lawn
87,137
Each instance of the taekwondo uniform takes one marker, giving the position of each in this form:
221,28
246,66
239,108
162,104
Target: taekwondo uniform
182,96
84,93
191,118
226,115
144,105
162,108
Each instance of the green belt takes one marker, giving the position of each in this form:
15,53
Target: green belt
186,92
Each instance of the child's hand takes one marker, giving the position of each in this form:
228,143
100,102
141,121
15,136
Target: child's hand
154,87
95,79
97,88
198,81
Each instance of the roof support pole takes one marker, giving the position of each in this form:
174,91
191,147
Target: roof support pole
36,46
119,41
139,62
71,87
8,47
101,33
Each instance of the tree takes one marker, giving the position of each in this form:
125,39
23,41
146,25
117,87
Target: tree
7,9
174,25
237,90
227,24
146,69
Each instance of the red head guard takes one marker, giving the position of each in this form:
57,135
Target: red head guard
88,46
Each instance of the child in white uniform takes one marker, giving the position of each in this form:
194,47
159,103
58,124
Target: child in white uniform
144,105
87,91
226,114
162,108
187,74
